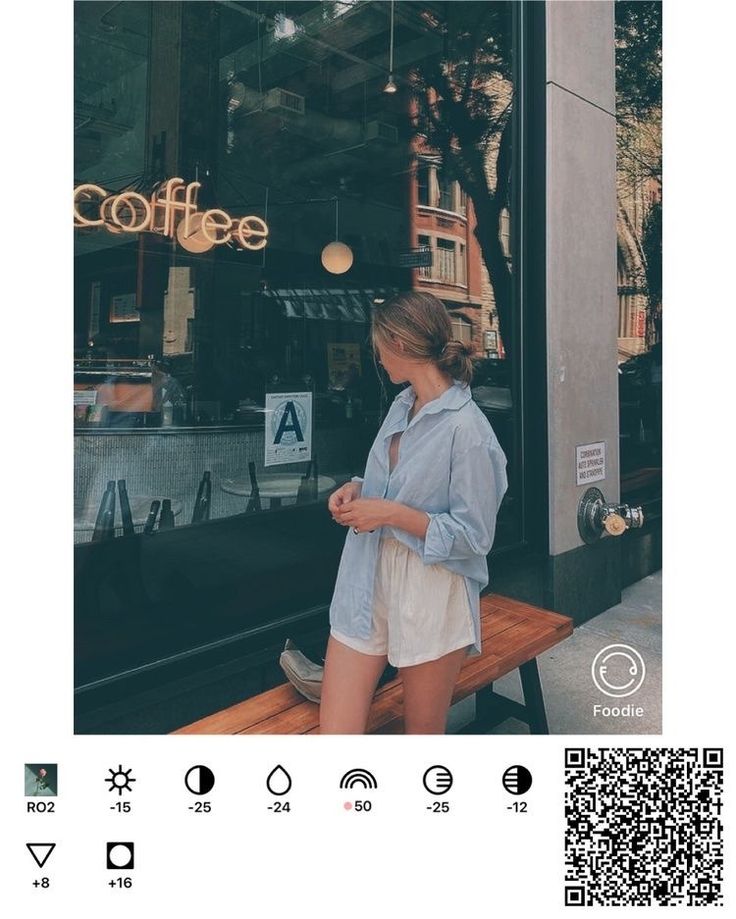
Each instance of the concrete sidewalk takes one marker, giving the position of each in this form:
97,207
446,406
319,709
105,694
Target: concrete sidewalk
565,672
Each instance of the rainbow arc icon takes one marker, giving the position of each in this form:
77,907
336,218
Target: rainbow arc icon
358,778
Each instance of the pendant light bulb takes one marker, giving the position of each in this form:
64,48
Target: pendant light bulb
390,86
337,258
196,241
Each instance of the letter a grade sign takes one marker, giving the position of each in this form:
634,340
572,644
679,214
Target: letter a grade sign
288,427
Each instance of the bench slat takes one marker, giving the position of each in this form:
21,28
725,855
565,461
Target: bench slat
512,634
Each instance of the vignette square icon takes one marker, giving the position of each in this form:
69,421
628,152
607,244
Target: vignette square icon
120,856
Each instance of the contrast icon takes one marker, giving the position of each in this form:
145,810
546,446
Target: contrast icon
437,780
40,851
278,781
618,670
517,780
120,780
120,856
358,778
200,780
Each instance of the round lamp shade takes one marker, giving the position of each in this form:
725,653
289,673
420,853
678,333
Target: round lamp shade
337,257
195,241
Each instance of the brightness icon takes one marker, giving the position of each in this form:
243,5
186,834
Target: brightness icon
120,780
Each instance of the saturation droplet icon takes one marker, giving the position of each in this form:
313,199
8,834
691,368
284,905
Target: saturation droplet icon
278,781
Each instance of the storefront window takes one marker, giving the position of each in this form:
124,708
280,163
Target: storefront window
245,192
196,338
110,142
639,257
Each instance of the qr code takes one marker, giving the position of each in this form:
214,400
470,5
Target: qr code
643,827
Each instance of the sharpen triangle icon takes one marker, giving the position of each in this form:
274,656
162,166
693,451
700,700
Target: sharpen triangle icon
40,851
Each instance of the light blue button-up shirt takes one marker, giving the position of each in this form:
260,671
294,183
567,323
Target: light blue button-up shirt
451,466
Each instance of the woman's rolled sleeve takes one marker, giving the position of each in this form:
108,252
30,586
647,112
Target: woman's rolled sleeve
477,485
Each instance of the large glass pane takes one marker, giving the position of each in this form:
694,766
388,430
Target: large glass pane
639,235
223,366
191,339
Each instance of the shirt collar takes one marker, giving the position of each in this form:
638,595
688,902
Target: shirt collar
453,397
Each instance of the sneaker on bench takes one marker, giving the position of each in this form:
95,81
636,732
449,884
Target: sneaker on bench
306,676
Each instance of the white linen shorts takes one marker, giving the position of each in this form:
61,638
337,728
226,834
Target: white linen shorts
420,612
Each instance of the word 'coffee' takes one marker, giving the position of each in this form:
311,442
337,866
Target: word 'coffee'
131,212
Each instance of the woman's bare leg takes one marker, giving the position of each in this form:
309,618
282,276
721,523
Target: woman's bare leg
348,686
428,692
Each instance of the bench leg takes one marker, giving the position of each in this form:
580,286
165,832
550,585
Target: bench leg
533,698
491,708
488,711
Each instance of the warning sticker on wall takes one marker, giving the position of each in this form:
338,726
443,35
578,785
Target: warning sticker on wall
590,462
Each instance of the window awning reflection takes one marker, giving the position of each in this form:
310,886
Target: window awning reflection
327,303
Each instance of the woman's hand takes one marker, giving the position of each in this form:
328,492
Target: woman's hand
344,495
364,514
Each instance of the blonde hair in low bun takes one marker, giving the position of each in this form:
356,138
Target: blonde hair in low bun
455,359
423,324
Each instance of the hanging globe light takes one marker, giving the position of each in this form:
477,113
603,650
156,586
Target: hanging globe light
391,86
194,241
337,257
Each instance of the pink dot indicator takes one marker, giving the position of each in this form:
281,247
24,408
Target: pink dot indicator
348,805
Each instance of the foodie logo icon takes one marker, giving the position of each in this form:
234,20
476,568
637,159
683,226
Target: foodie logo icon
618,670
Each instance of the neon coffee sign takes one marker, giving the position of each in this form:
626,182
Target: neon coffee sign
170,211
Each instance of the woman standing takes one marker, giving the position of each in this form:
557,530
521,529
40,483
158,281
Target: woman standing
420,525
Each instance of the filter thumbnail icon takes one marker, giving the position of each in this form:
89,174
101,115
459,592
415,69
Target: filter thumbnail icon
41,779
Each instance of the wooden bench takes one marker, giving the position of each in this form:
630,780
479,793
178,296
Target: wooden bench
513,634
